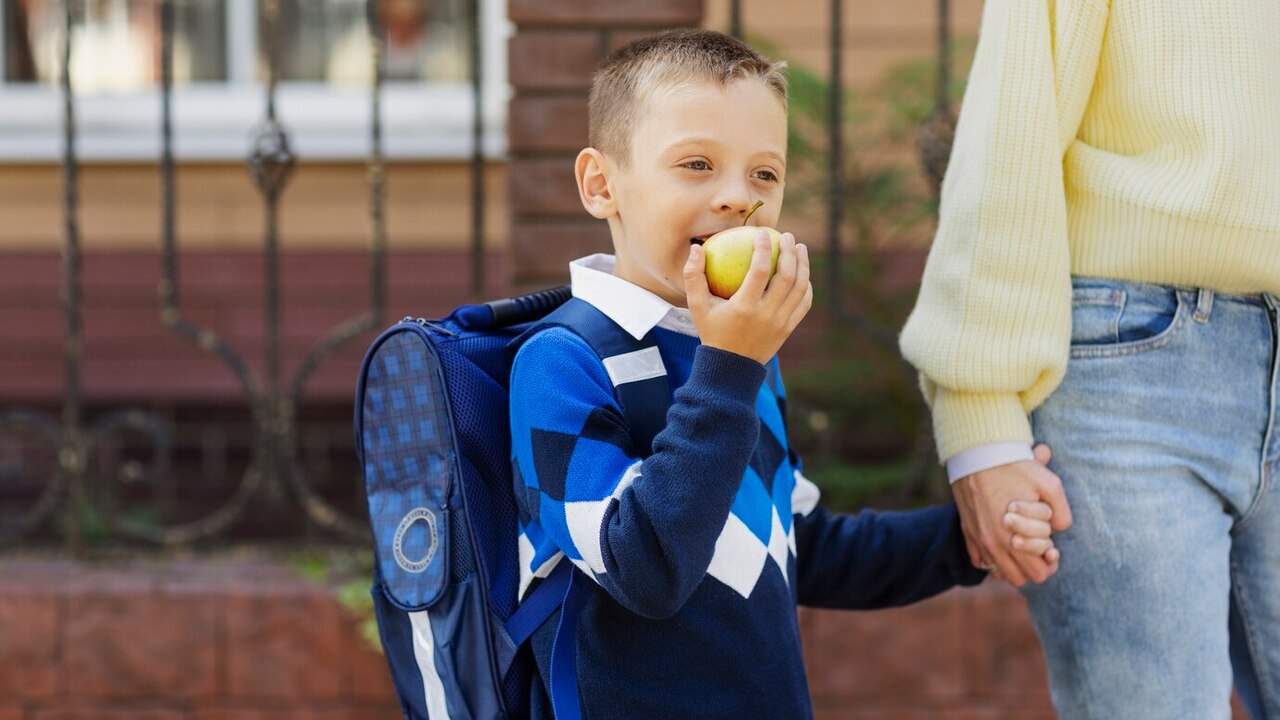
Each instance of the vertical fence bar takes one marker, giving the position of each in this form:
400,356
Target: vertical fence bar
4,49
272,240
835,165
735,18
477,156
377,172
168,258
942,97
272,162
70,462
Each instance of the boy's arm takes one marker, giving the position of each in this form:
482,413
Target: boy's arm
644,529
875,560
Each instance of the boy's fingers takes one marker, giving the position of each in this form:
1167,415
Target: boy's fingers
1033,510
802,307
695,281
1020,525
758,274
1035,546
784,280
802,292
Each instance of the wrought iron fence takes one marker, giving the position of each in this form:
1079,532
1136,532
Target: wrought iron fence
79,451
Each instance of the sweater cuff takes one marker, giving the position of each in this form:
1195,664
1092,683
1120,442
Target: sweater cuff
735,375
964,420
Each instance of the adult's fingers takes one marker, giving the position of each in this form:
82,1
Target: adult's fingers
1050,489
980,514
1043,453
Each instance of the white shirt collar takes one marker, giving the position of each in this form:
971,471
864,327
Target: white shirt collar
635,309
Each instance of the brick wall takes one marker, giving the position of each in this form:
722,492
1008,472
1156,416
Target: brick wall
250,639
234,639
551,57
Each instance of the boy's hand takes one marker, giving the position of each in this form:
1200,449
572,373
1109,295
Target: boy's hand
1029,523
763,312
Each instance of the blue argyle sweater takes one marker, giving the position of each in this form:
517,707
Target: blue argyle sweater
701,550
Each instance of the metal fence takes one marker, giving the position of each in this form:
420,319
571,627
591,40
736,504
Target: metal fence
78,490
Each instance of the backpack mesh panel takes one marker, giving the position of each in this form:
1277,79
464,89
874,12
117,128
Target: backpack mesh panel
476,371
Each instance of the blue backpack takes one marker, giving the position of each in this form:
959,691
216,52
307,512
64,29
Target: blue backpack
432,435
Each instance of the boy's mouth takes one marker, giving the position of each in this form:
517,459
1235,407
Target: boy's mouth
699,239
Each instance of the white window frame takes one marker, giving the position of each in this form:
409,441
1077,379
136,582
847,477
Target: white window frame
215,122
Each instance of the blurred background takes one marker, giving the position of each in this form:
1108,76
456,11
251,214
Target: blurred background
208,208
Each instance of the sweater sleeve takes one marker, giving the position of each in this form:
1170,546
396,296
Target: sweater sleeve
991,328
644,528
875,560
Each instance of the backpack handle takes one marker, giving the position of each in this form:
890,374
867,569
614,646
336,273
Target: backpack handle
512,311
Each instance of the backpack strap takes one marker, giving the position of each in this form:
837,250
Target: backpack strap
635,367
641,387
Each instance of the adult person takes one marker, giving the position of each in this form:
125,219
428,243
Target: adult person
1104,280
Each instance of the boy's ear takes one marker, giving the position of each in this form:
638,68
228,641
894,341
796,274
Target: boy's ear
592,172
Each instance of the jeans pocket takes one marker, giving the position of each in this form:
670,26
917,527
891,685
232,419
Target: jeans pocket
1117,318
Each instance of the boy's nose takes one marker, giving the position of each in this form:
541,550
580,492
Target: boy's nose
734,200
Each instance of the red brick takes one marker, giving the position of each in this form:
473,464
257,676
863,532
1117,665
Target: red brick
618,38
541,251
11,713
128,638
1003,655
284,643
1237,708
28,644
104,713
539,124
605,12
857,658
221,289
544,188
553,59
366,677
906,709
240,713
354,712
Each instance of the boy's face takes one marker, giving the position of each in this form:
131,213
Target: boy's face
701,156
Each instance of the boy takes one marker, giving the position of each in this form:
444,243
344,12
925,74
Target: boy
696,552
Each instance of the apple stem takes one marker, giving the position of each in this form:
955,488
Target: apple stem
752,211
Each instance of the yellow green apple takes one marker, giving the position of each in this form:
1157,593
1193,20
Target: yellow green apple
728,254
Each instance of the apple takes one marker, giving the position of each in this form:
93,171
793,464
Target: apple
728,254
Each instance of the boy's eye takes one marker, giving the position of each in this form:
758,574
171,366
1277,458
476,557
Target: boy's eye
697,165
767,175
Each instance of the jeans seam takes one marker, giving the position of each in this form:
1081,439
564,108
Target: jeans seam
1264,470
1253,644
1137,347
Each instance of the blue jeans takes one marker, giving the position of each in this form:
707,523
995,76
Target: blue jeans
1165,435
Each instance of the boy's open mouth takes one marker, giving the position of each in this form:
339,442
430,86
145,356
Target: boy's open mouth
699,239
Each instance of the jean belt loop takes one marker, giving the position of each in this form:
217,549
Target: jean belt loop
1204,305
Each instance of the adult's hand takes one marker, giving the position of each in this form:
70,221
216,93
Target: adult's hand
983,499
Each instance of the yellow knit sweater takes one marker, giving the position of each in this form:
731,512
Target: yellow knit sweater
1131,139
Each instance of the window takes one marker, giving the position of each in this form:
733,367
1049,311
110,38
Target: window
220,53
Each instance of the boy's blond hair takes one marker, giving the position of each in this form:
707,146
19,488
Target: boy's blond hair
632,73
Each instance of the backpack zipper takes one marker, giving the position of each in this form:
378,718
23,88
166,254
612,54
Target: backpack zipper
427,324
